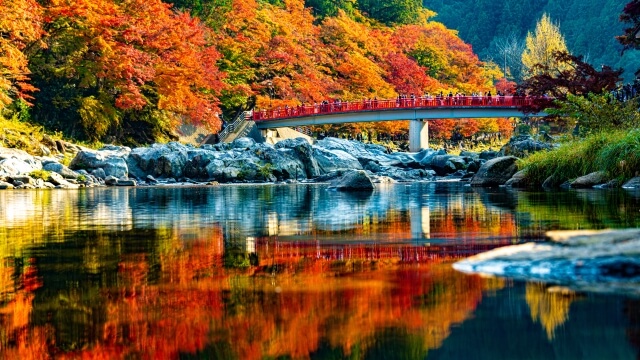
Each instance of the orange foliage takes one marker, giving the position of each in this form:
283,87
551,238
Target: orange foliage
19,26
139,43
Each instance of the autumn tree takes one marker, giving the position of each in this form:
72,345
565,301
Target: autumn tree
577,78
541,45
131,71
20,27
631,16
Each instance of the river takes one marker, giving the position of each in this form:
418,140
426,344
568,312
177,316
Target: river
297,271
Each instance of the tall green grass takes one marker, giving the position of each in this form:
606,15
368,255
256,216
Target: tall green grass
616,152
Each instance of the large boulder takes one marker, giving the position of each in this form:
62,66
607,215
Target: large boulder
160,160
446,164
111,159
521,146
303,151
331,160
353,180
495,172
589,180
17,166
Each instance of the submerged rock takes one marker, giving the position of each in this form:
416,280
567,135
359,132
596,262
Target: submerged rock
602,261
353,180
495,172
589,180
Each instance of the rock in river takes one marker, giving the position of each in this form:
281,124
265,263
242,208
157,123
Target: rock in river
587,260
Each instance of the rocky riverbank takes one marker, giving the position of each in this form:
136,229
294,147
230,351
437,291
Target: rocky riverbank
245,161
242,161
598,261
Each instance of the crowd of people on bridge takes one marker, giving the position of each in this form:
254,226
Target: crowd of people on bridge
412,100
627,91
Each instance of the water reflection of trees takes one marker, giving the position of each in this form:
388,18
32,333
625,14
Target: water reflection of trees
549,308
179,298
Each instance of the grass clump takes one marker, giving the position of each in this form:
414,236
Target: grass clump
616,152
41,174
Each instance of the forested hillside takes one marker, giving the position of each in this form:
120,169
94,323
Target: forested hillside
132,71
589,26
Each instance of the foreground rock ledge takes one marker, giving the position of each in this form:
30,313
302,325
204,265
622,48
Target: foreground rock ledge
598,261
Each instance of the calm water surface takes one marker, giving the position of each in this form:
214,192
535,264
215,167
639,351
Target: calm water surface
297,271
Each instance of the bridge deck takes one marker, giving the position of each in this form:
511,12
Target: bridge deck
400,109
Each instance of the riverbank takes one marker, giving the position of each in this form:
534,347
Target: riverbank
603,160
60,164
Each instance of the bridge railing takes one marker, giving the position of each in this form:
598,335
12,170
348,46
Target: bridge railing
377,105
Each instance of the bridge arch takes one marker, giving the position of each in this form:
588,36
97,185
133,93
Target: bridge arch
420,111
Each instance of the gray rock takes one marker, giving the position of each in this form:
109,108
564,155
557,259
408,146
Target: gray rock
633,183
111,180
19,165
495,172
353,180
522,146
611,184
589,180
442,166
554,182
304,152
474,166
332,160
243,143
518,180
588,260
126,182
57,180
99,173
22,179
489,154
60,169
111,161
5,185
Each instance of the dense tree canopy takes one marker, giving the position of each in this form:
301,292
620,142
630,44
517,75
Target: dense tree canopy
133,71
589,26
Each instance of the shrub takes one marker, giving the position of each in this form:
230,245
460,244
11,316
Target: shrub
41,174
617,153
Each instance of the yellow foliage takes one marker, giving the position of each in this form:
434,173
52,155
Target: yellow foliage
541,44
549,309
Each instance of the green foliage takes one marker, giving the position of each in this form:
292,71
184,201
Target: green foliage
81,178
324,8
235,258
41,174
392,11
621,158
523,129
614,152
266,171
592,33
595,113
211,12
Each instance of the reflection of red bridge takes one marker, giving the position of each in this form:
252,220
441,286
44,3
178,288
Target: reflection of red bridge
286,252
419,109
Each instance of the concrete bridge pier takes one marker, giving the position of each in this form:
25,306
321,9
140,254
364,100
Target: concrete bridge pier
418,135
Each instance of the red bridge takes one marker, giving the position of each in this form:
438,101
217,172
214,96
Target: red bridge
419,109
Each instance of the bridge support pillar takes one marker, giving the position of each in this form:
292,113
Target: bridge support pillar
418,135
